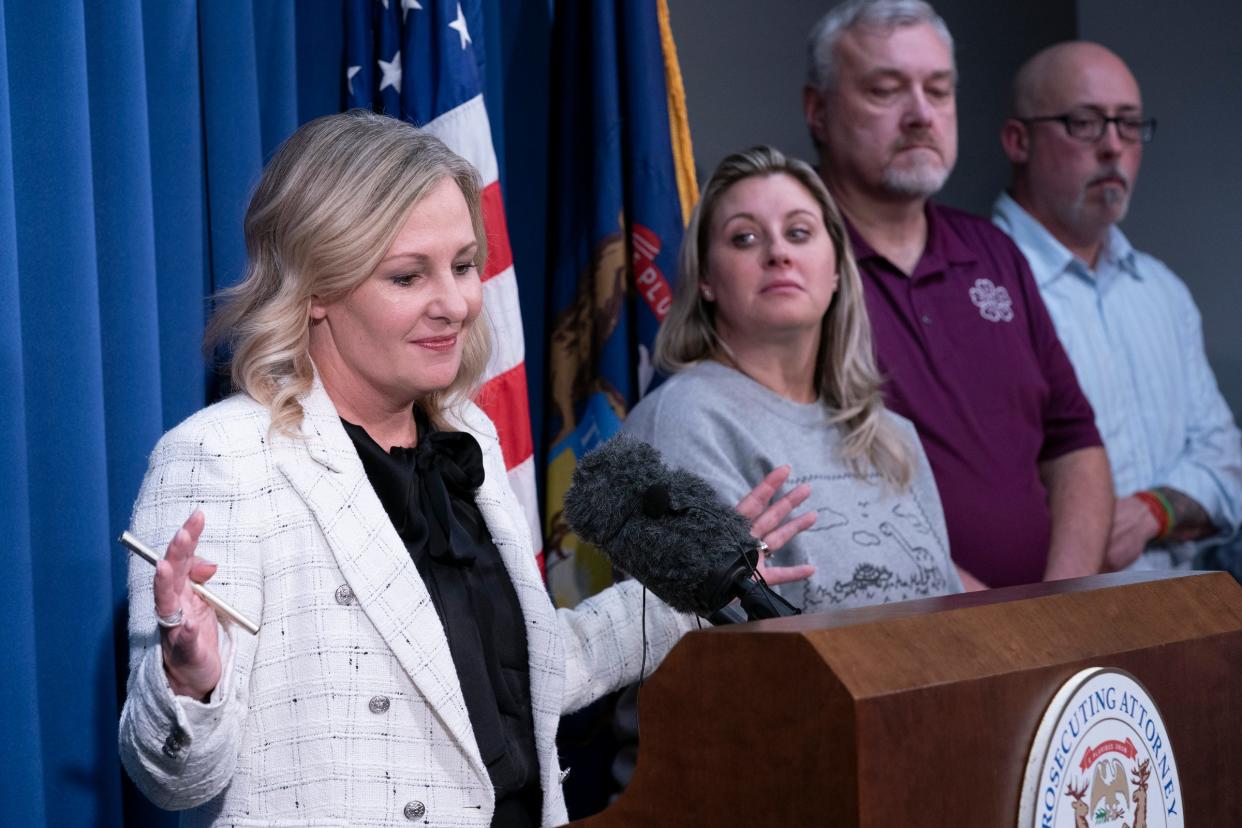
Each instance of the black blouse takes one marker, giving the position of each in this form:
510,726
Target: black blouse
428,493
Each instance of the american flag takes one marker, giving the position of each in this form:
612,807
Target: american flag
421,60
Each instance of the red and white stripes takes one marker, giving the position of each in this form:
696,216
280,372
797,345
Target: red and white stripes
467,132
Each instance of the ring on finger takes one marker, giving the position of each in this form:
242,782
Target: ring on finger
763,547
170,621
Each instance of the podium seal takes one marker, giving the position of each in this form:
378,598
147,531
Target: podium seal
1101,759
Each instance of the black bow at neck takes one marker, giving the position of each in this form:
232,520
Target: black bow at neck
415,486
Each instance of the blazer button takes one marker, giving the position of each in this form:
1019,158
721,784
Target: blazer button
174,743
379,704
344,595
414,810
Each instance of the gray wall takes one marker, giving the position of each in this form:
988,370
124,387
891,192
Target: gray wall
743,66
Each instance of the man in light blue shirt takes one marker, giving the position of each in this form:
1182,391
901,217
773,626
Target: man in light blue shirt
1127,322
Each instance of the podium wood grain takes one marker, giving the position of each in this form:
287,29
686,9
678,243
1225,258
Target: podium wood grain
922,713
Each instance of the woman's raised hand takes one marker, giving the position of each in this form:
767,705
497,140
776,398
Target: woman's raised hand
768,522
188,633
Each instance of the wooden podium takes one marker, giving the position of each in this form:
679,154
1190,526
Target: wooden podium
922,713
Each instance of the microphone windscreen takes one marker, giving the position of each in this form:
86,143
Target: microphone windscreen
656,502
607,486
682,550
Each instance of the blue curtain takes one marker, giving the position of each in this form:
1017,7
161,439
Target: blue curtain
130,136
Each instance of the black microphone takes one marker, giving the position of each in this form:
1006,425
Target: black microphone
669,530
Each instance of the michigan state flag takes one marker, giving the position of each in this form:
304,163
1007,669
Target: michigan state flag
622,186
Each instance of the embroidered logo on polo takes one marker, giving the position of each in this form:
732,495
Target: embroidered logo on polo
993,302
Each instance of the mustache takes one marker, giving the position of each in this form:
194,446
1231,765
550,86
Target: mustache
1110,172
911,141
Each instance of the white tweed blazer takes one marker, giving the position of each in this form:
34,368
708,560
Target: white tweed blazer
345,709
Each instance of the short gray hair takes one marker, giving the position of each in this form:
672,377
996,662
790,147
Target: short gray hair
875,14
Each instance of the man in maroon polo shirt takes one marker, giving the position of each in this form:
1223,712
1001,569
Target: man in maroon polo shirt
961,333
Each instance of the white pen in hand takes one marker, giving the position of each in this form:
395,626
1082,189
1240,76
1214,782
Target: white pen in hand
221,606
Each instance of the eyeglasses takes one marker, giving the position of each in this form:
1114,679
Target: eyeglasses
1089,126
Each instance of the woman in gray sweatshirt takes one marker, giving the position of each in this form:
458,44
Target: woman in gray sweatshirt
770,352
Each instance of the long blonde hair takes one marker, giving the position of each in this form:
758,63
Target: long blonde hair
846,377
326,210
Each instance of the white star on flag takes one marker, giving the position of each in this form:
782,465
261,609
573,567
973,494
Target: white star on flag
392,72
406,5
350,71
460,25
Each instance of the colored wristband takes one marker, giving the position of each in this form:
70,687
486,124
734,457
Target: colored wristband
1160,509
1168,510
